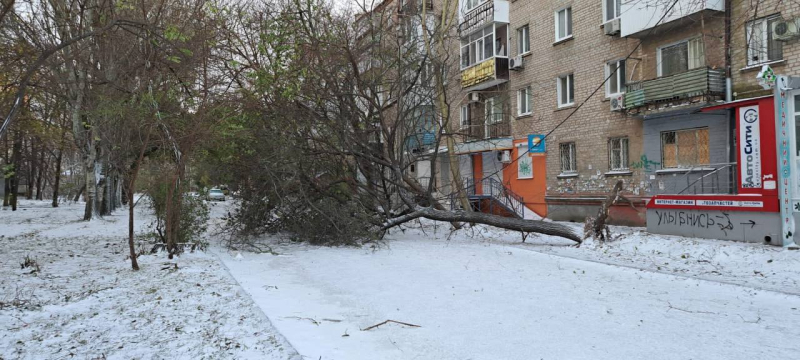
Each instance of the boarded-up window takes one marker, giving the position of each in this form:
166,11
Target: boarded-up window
684,148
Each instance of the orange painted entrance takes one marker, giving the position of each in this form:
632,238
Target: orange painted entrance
532,190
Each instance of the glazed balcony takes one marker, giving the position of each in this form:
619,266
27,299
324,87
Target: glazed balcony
485,13
689,84
638,17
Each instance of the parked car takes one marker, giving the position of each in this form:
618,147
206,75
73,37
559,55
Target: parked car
216,195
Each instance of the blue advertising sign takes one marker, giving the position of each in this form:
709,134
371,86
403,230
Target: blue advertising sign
536,144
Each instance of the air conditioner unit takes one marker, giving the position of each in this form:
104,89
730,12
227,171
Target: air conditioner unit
611,27
784,30
504,156
515,63
474,97
618,103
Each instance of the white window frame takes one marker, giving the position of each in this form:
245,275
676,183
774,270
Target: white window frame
763,23
623,154
617,4
478,46
568,23
490,105
471,4
573,159
689,54
570,83
524,97
523,40
464,120
619,77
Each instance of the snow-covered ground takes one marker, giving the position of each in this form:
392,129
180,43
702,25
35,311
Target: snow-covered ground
477,293
482,294
86,303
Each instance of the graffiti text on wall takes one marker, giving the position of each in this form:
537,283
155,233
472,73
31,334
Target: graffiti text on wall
695,219
645,163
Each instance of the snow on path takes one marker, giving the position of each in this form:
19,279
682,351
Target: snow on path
480,300
86,303
754,265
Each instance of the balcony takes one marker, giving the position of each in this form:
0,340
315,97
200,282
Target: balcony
486,131
488,73
689,84
638,16
486,13
415,6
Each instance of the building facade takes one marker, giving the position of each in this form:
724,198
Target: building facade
612,88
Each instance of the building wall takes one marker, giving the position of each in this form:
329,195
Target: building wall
585,55
532,190
593,124
719,146
745,84
708,24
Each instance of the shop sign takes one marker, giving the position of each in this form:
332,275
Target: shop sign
750,147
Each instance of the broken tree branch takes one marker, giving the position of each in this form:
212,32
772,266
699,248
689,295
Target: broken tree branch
388,321
528,226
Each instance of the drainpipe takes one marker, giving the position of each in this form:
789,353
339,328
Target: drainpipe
732,150
728,82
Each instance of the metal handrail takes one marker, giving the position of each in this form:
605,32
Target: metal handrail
701,179
496,191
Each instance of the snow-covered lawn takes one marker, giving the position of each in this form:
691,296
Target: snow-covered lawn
484,295
85,302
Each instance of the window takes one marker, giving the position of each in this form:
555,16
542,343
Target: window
493,110
680,57
569,163
477,47
471,4
618,154
464,116
566,90
615,72
611,9
524,101
523,40
684,148
761,47
563,24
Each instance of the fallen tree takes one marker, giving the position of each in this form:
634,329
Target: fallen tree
596,227
522,225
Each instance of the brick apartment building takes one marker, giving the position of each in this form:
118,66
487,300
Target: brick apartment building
641,127
753,44
525,69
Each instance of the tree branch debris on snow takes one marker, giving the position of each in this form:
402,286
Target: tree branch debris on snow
389,321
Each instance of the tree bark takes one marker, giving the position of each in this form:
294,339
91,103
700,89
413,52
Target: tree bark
40,175
130,190
31,160
90,186
16,155
528,226
78,195
57,182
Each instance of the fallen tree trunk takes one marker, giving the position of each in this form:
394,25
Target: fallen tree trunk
528,226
